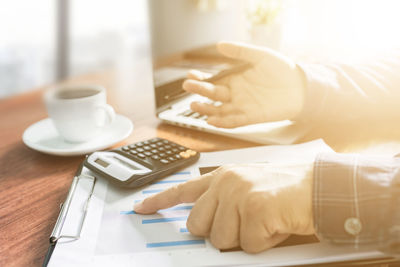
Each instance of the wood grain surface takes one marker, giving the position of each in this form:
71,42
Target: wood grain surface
33,184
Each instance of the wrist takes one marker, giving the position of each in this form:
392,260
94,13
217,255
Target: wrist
300,93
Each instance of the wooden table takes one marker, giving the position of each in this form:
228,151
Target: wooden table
32,184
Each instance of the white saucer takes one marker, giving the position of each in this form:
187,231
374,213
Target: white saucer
43,136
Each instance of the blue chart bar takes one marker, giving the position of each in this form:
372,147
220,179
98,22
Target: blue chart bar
179,208
152,191
128,212
175,243
183,230
170,181
162,220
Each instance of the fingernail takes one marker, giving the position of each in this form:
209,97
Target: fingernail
205,76
185,85
138,206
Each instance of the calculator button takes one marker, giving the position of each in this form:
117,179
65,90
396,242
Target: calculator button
159,143
191,152
140,155
155,157
162,155
165,141
133,152
154,140
177,157
184,155
154,151
139,149
167,147
146,143
131,146
175,150
146,147
171,159
169,152
153,145
181,148
164,161
161,149
148,153
139,144
125,148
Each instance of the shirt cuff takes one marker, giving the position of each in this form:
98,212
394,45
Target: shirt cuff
356,200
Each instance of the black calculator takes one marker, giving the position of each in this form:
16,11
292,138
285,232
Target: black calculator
140,163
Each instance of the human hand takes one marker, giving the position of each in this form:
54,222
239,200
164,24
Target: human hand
255,206
271,90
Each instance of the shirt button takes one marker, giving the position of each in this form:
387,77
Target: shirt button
352,226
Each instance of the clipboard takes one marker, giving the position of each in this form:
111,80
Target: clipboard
57,234
101,201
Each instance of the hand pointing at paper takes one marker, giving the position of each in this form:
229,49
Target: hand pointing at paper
253,206
271,90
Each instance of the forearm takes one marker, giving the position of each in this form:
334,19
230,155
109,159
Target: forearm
364,92
355,200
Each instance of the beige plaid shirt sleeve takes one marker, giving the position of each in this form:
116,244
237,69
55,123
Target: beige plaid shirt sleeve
356,200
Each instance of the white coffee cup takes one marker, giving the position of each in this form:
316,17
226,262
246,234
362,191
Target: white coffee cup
79,112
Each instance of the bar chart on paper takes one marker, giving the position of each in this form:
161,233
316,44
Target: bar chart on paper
124,231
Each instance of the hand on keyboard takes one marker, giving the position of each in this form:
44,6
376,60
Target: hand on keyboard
271,90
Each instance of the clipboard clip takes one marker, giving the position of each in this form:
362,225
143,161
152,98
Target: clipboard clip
56,234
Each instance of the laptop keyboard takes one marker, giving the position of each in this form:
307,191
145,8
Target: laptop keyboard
195,115
191,114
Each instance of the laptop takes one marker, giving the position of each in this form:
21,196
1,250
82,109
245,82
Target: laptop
173,103
183,38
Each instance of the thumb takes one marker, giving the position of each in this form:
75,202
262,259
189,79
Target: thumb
241,51
254,54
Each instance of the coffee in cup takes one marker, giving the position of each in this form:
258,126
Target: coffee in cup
79,112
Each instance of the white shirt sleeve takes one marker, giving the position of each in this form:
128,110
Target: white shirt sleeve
347,92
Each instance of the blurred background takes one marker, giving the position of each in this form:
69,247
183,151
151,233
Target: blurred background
45,41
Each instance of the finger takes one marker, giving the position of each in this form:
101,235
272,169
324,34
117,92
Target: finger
198,75
268,243
254,236
212,91
202,214
251,53
204,108
228,121
210,109
225,228
183,193
241,51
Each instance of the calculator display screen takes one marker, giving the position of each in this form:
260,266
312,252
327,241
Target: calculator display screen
102,163
126,164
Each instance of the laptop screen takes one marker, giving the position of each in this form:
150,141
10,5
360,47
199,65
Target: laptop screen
183,37
169,76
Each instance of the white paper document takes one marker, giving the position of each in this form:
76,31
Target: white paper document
113,235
